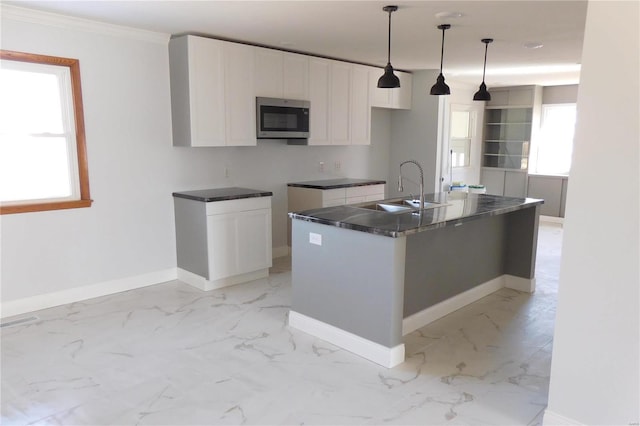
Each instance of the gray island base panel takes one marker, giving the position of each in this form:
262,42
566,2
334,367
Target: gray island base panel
362,287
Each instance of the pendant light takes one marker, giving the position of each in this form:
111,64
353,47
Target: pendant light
441,88
483,94
389,80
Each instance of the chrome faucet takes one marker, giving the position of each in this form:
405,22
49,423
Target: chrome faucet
400,187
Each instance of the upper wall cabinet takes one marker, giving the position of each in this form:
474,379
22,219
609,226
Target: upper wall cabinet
281,74
212,92
398,98
340,111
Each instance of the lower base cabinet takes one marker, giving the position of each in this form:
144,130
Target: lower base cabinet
224,242
506,183
552,189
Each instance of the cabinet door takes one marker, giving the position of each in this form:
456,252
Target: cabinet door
206,92
296,76
239,94
382,98
319,97
253,240
222,245
268,72
402,96
360,107
549,188
340,103
493,180
515,184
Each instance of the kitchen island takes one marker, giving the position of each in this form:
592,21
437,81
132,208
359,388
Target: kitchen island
365,275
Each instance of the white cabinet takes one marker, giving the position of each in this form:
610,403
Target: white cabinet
224,242
300,198
212,92
398,98
240,103
319,79
281,74
340,107
296,76
340,103
360,106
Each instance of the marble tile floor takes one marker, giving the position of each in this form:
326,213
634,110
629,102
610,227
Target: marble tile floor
170,354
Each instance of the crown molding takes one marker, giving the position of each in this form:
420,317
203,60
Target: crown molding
15,13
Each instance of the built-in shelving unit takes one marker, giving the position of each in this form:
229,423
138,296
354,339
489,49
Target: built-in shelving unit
511,119
507,138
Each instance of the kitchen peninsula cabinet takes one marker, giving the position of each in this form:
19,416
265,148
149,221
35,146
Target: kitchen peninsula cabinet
212,92
223,236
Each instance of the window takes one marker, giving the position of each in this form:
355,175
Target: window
461,133
551,149
43,162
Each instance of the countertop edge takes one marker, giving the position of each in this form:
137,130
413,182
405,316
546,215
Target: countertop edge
223,197
336,186
528,203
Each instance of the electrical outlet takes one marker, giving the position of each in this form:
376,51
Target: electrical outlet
321,166
227,173
337,165
315,239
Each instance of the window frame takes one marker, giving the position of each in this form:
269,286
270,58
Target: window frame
78,118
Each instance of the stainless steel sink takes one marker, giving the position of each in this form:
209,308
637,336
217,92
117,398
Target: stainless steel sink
427,204
400,206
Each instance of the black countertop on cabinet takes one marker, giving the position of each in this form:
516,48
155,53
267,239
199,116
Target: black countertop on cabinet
456,208
336,183
222,194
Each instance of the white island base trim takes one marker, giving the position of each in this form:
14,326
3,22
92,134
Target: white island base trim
439,310
204,284
382,355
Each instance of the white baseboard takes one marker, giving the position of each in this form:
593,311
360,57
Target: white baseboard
554,419
76,294
382,355
205,285
552,219
280,251
439,310
527,285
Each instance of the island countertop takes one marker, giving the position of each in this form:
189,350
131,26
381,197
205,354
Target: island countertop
456,208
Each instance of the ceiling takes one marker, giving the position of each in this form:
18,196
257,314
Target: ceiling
357,31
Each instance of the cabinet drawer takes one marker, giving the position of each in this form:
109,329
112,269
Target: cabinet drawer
333,194
243,204
360,191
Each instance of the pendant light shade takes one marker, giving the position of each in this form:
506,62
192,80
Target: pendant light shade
389,80
441,88
483,94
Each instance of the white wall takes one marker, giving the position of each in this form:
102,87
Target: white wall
594,372
126,238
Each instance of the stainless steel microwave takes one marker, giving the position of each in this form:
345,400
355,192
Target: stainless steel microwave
282,118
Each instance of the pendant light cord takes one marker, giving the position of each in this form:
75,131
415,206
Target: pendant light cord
484,68
389,38
442,49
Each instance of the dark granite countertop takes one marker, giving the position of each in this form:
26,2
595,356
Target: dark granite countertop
336,183
457,208
221,194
